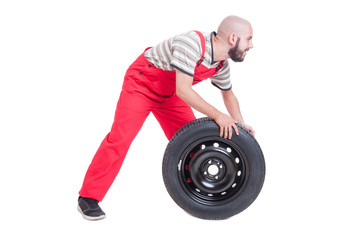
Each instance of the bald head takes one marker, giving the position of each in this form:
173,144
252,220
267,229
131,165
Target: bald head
233,25
233,39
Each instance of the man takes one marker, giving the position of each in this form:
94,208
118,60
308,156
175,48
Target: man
160,81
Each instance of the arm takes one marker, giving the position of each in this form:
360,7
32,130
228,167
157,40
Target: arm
185,91
232,105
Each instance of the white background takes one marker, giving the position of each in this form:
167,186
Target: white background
61,69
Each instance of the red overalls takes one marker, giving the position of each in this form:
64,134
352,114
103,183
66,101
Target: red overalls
145,89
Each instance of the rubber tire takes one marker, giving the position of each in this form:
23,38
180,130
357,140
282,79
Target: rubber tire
252,155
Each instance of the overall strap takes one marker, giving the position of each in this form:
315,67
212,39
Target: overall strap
220,65
203,45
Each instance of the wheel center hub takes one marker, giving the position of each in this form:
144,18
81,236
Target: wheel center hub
213,170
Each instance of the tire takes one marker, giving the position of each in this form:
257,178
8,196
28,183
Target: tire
211,177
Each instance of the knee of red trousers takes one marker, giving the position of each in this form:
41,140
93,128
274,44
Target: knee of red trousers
171,121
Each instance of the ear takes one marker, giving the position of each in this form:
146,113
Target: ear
232,39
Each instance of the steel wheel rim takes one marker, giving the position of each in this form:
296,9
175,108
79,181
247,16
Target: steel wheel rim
212,170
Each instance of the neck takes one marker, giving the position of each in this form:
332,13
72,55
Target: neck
220,50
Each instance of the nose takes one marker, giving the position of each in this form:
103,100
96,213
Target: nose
250,44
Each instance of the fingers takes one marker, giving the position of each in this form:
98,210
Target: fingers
236,129
227,132
226,125
250,129
221,131
233,126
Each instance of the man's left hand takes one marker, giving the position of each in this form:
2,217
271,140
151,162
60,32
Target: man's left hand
249,128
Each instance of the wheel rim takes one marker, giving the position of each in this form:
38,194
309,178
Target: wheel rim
212,170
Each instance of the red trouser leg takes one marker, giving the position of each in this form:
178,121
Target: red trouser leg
143,92
172,114
132,110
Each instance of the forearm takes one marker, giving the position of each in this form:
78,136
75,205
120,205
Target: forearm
185,91
193,99
232,105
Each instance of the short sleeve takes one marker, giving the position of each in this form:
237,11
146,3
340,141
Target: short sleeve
222,79
186,51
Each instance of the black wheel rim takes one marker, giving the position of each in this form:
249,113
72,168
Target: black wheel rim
212,170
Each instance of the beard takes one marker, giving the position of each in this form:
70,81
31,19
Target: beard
235,54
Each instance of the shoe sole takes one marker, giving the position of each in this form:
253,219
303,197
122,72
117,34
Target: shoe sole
89,217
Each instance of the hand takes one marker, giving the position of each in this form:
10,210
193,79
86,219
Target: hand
249,128
226,123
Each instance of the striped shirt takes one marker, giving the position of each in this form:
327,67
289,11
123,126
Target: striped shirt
183,51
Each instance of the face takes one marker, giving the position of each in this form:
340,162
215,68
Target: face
238,52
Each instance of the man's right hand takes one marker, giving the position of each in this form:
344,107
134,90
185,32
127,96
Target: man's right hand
226,123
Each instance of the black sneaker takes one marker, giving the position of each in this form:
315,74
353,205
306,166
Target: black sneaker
90,209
